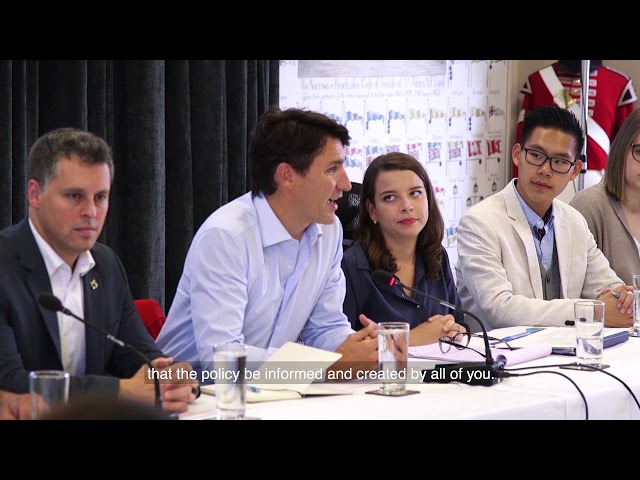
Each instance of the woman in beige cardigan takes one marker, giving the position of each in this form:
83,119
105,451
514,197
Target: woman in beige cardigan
612,207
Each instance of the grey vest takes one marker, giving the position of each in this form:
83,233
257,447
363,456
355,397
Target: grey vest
551,286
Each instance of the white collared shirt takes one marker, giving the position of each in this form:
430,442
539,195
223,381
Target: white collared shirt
67,286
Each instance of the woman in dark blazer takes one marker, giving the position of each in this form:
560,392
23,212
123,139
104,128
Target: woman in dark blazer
401,231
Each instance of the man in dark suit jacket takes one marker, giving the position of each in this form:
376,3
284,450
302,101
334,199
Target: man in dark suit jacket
54,250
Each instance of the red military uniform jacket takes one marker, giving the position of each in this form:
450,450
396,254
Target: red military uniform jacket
611,99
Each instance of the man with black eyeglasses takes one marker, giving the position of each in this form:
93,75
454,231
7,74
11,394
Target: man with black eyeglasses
524,255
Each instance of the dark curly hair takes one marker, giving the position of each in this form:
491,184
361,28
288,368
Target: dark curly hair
294,136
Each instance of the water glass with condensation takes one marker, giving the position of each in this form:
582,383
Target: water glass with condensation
230,363
635,331
48,389
393,350
589,324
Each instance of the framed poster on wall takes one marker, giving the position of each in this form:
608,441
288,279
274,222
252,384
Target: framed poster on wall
448,114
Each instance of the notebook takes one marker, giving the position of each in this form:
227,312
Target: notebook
290,360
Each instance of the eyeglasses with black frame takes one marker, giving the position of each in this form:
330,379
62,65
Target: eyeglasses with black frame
537,158
461,341
635,151
494,341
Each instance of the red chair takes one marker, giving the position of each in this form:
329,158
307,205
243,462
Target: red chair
152,315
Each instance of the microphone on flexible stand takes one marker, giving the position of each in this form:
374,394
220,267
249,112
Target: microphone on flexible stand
489,370
53,304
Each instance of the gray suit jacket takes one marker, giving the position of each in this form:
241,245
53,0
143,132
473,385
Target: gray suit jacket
607,222
498,273
29,335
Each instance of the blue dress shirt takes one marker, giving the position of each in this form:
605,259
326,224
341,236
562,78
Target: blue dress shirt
247,280
383,303
544,246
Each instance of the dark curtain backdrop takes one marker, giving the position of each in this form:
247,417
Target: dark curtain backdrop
178,129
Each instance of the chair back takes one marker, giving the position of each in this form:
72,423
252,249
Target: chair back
151,314
349,213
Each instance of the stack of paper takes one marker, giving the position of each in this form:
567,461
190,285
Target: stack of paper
508,357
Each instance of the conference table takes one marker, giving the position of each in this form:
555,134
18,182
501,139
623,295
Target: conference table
545,395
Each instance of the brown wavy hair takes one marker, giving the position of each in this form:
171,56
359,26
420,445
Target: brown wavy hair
429,242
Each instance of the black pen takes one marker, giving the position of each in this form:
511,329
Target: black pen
571,323
563,350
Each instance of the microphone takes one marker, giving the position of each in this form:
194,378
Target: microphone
53,304
489,371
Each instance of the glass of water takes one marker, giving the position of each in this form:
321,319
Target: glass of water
230,364
589,318
393,352
635,330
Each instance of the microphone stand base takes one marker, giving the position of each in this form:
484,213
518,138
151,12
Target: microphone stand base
402,393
